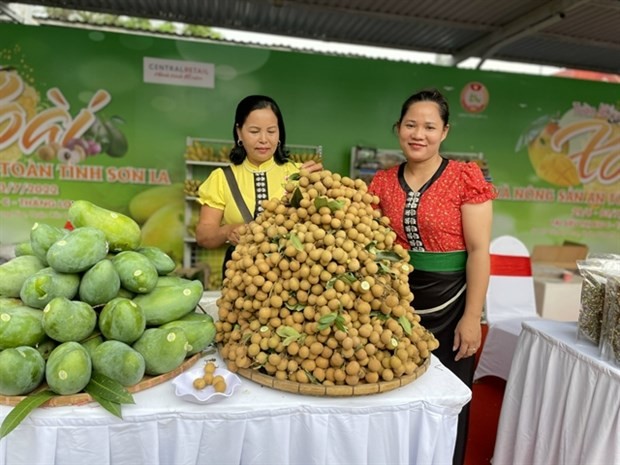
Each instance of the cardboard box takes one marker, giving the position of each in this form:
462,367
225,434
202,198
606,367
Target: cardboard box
562,256
557,299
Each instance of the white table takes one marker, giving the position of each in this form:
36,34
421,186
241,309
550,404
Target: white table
562,402
415,424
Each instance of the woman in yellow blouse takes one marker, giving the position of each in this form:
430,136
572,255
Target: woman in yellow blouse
260,166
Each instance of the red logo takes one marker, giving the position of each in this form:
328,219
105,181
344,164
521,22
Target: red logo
474,97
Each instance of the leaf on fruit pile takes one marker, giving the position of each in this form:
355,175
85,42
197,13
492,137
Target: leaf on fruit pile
106,388
406,324
22,409
296,198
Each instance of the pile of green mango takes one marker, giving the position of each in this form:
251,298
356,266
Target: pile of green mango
93,299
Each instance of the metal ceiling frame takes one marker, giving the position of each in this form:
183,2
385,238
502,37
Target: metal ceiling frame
518,40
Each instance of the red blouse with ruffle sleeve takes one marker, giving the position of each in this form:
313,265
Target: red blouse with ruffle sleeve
430,219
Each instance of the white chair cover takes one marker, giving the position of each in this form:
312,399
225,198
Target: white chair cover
510,300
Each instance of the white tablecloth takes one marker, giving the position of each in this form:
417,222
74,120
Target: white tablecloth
415,424
562,402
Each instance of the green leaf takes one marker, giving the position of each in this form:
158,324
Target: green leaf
335,205
379,315
388,255
348,278
406,324
294,177
294,308
296,241
329,284
287,340
113,407
320,202
22,409
286,331
327,320
340,323
384,269
104,387
372,247
296,198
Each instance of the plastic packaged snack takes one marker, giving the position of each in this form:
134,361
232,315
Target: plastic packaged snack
595,271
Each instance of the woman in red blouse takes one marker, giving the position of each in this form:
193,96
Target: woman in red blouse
441,212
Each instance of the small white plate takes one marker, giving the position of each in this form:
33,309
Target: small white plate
184,385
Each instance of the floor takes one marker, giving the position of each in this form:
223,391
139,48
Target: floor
486,403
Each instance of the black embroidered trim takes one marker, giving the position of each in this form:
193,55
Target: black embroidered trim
260,191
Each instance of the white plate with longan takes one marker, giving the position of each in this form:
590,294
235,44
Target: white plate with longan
205,383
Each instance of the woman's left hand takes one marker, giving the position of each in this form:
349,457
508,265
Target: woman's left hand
467,337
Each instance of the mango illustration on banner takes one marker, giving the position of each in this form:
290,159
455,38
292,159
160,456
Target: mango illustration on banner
576,149
52,133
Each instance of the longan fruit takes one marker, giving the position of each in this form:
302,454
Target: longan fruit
199,383
220,386
209,367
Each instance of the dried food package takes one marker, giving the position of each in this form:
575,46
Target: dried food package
610,330
594,271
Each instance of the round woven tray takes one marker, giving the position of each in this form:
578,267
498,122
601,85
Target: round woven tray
84,398
333,391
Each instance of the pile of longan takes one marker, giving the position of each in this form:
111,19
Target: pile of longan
317,290
209,378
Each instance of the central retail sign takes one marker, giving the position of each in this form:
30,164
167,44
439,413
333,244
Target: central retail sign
179,72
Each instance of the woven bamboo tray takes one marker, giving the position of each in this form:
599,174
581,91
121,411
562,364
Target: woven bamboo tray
332,391
84,398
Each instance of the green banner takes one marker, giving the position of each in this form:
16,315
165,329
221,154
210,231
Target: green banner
106,117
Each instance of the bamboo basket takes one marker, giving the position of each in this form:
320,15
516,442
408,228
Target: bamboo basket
332,391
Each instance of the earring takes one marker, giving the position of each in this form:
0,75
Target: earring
278,143
240,143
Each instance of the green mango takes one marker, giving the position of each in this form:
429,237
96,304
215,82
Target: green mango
196,316
122,292
200,333
136,272
68,368
9,302
66,320
120,362
100,283
162,261
166,229
42,236
122,319
23,248
46,346
169,303
121,232
21,326
22,369
14,272
78,251
148,201
91,343
46,284
172,280
163,349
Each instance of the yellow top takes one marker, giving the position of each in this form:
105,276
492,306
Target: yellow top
216,193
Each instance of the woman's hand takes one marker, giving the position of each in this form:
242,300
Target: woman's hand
467,336
312,166
233,235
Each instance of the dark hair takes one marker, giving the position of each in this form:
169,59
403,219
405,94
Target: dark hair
244,108
427,95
